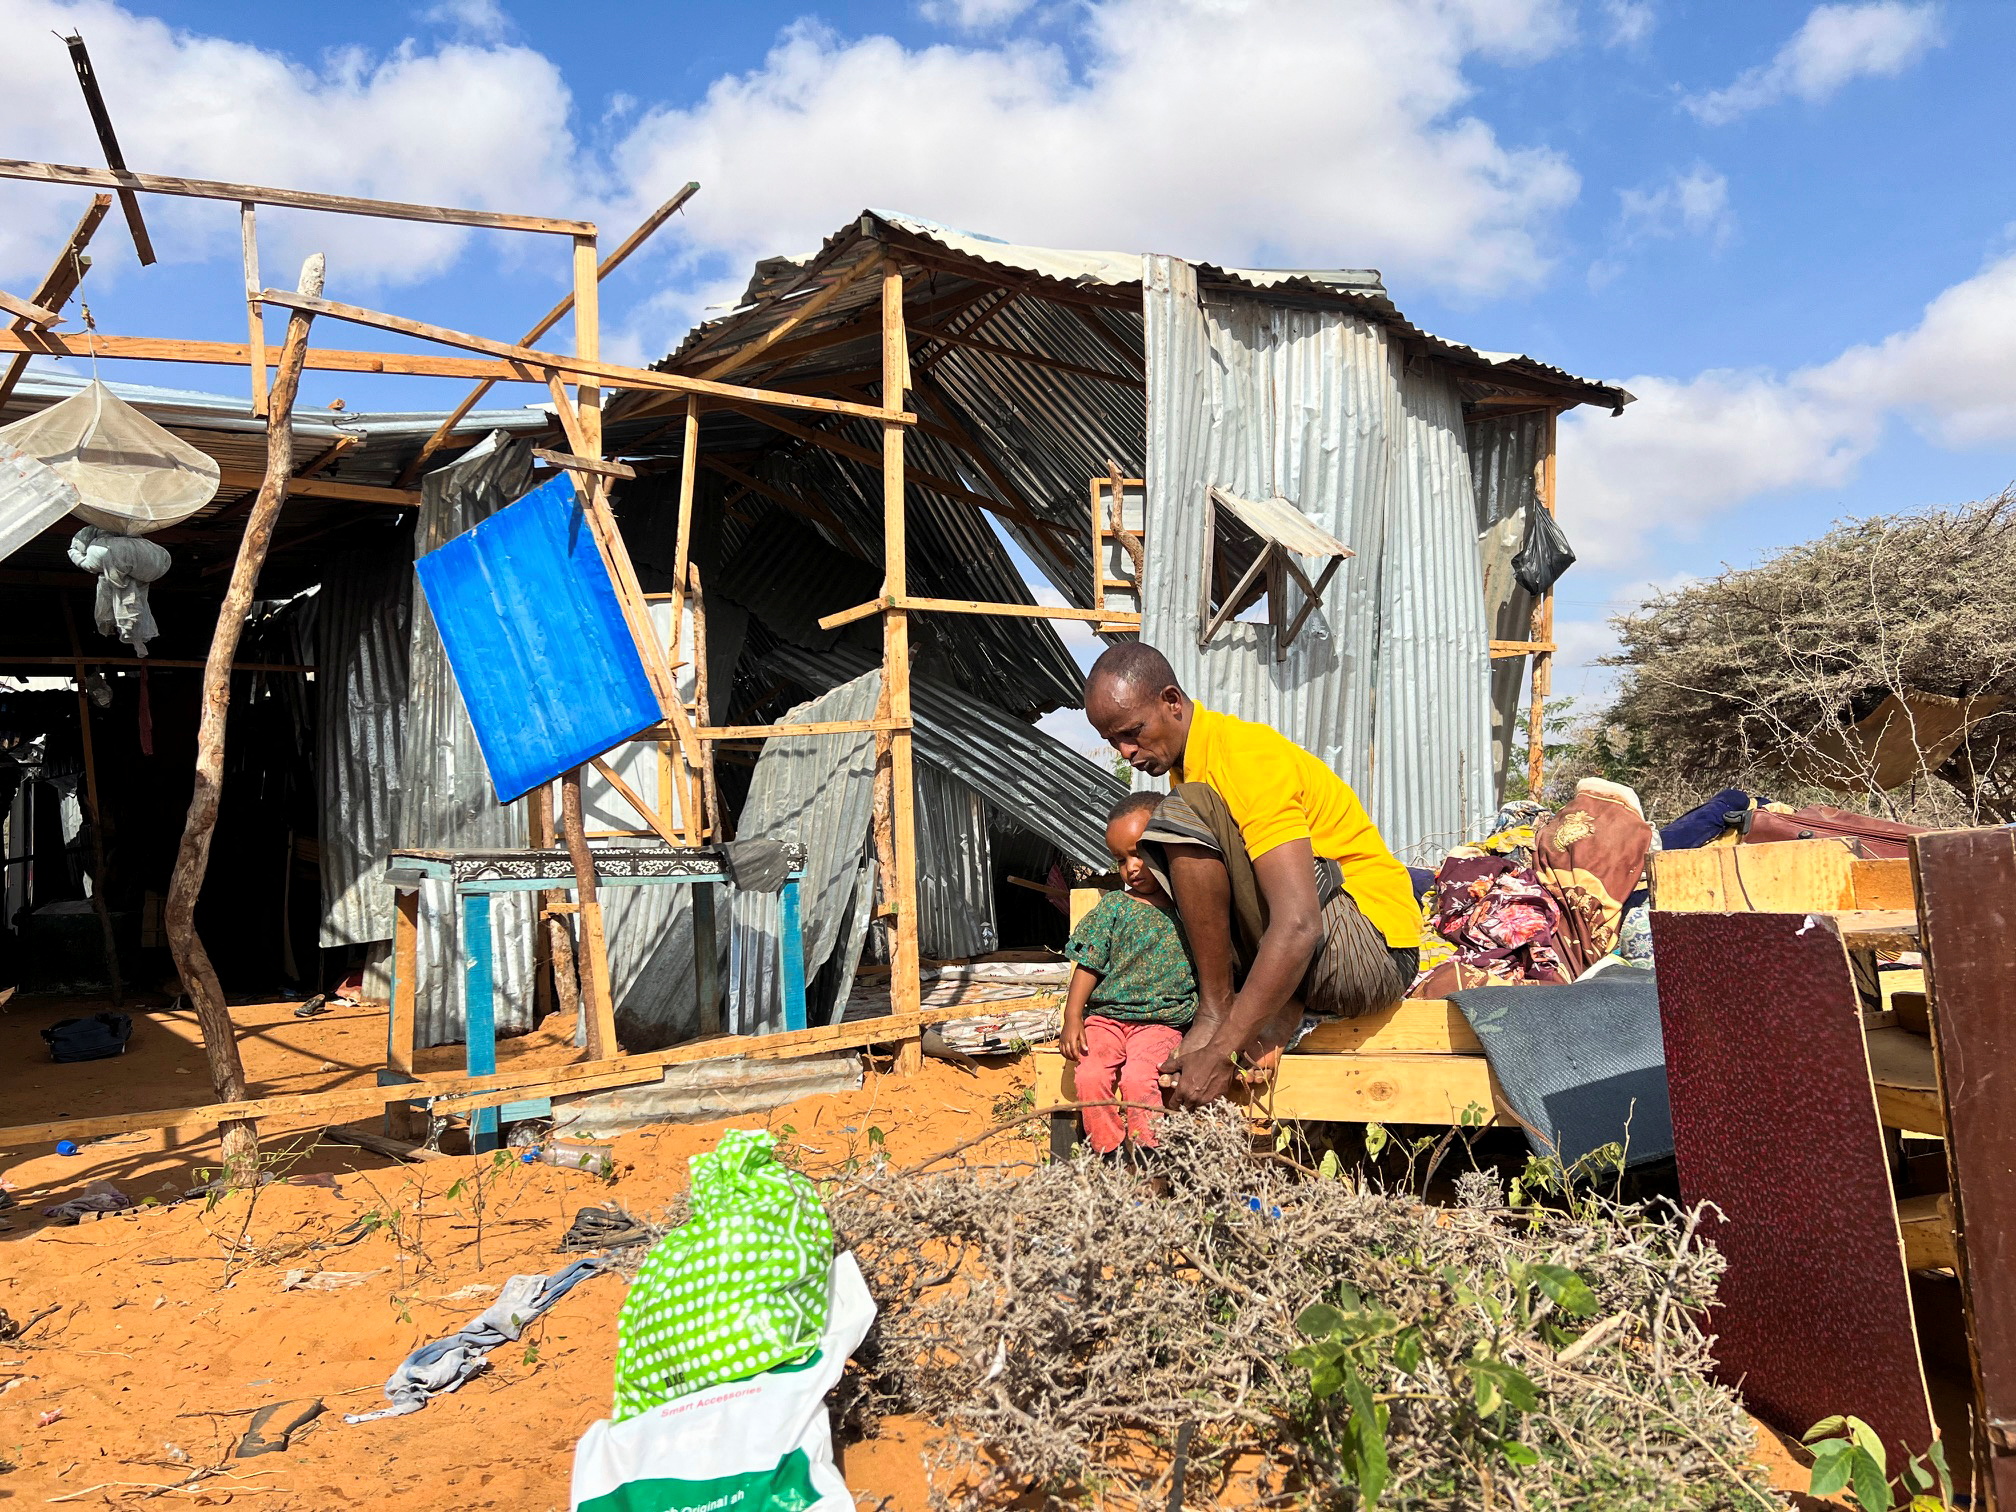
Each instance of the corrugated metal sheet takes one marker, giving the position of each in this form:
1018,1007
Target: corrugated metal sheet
446,801
1504,450
955,864
1311,404
818,790
1031,779
363,638
1433,779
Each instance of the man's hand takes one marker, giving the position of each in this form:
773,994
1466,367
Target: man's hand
1198,1077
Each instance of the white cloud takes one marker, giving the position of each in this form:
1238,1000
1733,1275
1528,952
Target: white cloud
476,126
1837,44
1627,23
1293,131
1691,450
482,19
974,15
1694,203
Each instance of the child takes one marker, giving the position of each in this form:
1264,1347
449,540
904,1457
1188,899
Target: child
1133,992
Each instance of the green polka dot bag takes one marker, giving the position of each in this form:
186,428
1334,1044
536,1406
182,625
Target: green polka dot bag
737,1289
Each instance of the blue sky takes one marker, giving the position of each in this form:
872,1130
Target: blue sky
1787,226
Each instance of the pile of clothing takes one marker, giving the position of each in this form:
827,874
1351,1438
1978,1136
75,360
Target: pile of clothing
1546,897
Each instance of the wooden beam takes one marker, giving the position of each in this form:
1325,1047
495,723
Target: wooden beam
152,663
813,305
613,375
974,606
294,199
645,230
630,796
895,764
1376,1088
583,464
682,540
1543,631
813,510
1500,650
534,1081
941,405
108,142
1035,359
59,283
255,317
842,447
28,310
238,354
328,456
325,488
1416,1026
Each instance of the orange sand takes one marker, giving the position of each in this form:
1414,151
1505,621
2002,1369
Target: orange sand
163,1346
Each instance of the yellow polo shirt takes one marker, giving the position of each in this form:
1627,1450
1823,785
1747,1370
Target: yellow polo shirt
1278,792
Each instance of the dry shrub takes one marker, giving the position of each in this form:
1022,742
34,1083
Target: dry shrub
1747,679
1068,1329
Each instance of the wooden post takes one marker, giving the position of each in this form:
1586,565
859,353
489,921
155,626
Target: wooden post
402,1032
553,930
905,983
199,977
1543,633
689,467
255,315
703,708
98,904
596,1004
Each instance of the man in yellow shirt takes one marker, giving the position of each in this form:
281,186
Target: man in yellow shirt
1290,899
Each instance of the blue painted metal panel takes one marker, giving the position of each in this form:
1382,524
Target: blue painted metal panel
791,943
480,1009
537,640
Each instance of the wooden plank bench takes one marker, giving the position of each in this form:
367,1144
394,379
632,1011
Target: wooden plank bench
1414,1063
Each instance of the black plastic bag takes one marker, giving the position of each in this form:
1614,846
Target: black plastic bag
1546,554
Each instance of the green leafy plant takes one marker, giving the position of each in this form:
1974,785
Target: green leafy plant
1849,1456
1357,1340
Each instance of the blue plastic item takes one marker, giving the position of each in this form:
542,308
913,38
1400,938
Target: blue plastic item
536,638
66,1147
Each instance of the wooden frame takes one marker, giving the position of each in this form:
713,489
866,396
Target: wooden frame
581,421
1276,564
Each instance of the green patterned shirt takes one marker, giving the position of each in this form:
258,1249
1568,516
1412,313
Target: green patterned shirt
1137,950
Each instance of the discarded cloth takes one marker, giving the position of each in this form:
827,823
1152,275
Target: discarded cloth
1707,821
598,1228
1583,1065
1504,927
737,1289
447,1364
1590,854
99,1197
124,566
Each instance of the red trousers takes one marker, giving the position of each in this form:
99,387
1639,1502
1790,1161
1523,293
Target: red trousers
1124,1058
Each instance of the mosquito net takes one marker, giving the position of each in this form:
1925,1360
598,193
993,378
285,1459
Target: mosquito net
131,476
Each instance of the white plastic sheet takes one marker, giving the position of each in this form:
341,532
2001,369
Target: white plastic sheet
131,475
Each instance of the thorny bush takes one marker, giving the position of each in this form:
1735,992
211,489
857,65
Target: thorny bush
1749,678
1308,1342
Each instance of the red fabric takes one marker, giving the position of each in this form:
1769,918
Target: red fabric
1128,1056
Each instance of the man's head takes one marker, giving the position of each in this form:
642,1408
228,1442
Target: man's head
1132,700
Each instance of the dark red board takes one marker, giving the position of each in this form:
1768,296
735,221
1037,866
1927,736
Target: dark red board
1774,1121
1967,899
